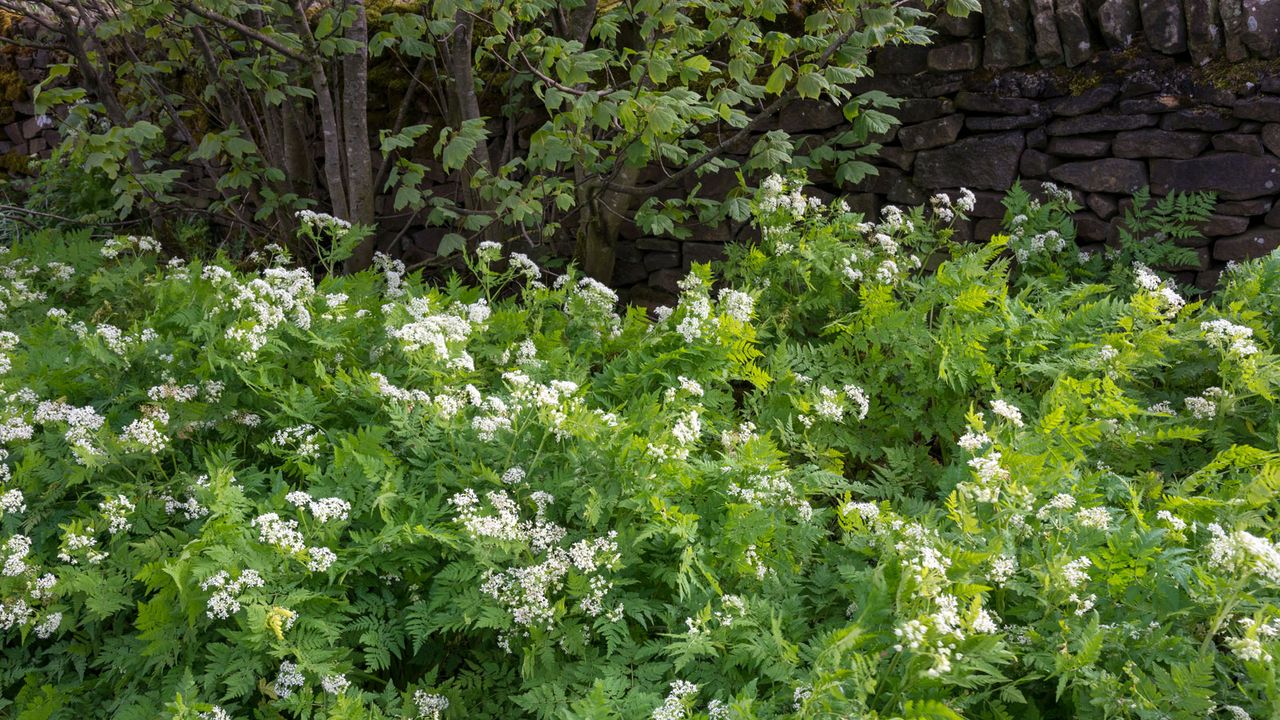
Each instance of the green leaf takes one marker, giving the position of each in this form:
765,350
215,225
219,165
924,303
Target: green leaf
451,243
779,79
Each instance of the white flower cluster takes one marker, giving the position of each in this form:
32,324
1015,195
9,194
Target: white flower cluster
116,510
1226,335
393,271
676,702
736,304
1248,649
596,297
287,680
778,197
1003,568
1169,302
49,625
15,428
945,211
1243,552
1173,521
16,549
1076,572
696,321
190,508
8,341
284,534
116,340
12,502
973,441
990,474
321,221
335,684
1037,244
113,247
278,297
225,602
768,491
147,432
430,706
1205,405
441,332
526,591
78,544
830,404
323,509
302,439
1007,411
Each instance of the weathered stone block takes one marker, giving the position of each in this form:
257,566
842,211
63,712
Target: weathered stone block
1238,142
1089,227
1111,175
1079,147
1205,119
1104,206
1222,225
1035,164
1048,45
1118,21
997,123
1244,208
914,110
1073,30
897,157
995,104
1088,101
1271,137
931,133
1246,246
700,252
1164,25
800,116
956,57
1262,27
1204,37
901,60
1234,176
987,162
653,244
667,280
1005,33
1158,143
1099,123
659,260
1153,104
1265,108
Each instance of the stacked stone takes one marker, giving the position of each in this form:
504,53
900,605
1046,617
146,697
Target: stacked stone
24,133
1069,32
1136,122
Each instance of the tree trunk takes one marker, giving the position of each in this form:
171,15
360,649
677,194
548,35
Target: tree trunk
602,218
329,131
465,105
359,159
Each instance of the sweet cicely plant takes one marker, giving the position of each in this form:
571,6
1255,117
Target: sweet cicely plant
868,473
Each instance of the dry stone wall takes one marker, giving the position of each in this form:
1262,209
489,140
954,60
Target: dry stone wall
1103,98
22,132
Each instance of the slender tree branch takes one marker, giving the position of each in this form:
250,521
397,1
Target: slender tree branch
769,111
246,31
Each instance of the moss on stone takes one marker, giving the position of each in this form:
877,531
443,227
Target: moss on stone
1236,76
14,163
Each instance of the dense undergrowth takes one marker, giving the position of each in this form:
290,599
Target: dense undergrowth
870,473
